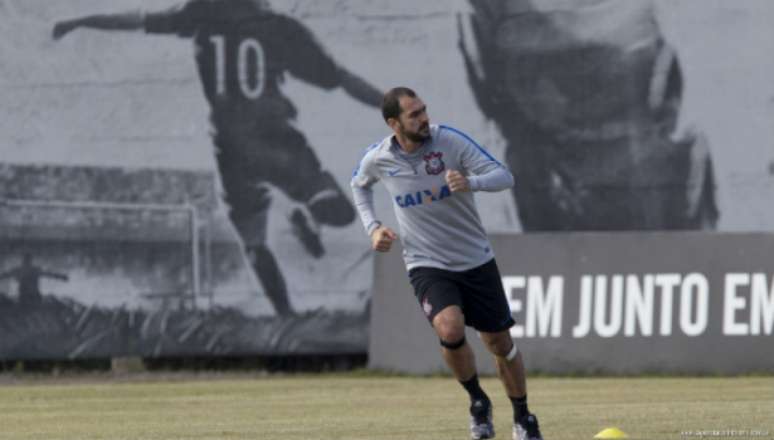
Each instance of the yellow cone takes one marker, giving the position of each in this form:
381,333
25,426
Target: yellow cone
611,433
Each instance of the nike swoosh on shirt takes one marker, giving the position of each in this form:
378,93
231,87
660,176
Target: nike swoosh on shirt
393,172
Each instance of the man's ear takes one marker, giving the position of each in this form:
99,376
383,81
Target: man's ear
393,123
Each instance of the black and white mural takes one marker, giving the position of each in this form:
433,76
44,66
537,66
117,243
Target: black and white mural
174,174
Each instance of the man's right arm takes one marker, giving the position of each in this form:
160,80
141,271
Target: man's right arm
363,195
362,182
179,19
381,236
132,20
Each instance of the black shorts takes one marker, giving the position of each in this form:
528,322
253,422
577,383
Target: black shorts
478,292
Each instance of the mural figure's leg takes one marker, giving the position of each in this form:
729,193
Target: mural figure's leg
265,266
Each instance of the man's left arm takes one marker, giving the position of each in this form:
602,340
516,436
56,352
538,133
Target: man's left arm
481,170
310,62
359,88
181,19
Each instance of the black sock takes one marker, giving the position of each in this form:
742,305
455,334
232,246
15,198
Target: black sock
519,407
474,389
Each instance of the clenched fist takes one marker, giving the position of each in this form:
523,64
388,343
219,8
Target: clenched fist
382,238
457,181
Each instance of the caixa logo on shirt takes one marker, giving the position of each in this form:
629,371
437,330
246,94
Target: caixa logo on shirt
423,197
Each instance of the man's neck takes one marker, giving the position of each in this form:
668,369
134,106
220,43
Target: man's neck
407,145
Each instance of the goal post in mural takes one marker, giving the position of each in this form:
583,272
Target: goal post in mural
26,222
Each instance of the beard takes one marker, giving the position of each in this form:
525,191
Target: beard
420,135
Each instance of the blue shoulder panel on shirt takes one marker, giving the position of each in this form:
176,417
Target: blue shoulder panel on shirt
357,168
469,139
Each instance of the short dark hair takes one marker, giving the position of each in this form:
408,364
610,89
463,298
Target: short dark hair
391,103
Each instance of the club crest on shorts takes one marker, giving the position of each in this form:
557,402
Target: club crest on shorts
427,307
433,163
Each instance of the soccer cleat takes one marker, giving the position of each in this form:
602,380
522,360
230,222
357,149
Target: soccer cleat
481,426
527,429
309,237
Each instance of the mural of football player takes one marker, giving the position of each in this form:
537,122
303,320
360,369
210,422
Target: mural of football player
244,49
587,94
27,275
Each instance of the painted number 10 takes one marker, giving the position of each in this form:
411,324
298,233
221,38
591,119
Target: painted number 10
249,49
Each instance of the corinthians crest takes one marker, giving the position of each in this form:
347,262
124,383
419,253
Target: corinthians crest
433,163
427,307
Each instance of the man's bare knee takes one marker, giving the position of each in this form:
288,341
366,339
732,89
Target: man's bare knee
499,344
449,325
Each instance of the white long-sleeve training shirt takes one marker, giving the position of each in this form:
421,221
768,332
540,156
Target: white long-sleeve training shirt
438,228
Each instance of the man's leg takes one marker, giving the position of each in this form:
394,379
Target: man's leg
510,365
439,295
266,268
244,178
249,214
510,369
301,176
449,325
292,166
328,204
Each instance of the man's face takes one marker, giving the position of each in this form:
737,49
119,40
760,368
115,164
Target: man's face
413,122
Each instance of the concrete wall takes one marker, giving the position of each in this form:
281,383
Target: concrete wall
613,303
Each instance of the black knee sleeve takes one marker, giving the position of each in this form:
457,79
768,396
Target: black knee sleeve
453,345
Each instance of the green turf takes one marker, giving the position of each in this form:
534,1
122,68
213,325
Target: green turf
371,407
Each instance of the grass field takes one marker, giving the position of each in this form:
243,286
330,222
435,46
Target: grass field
367,406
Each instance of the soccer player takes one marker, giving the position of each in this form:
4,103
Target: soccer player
431,173
28,276
243,51
587,94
